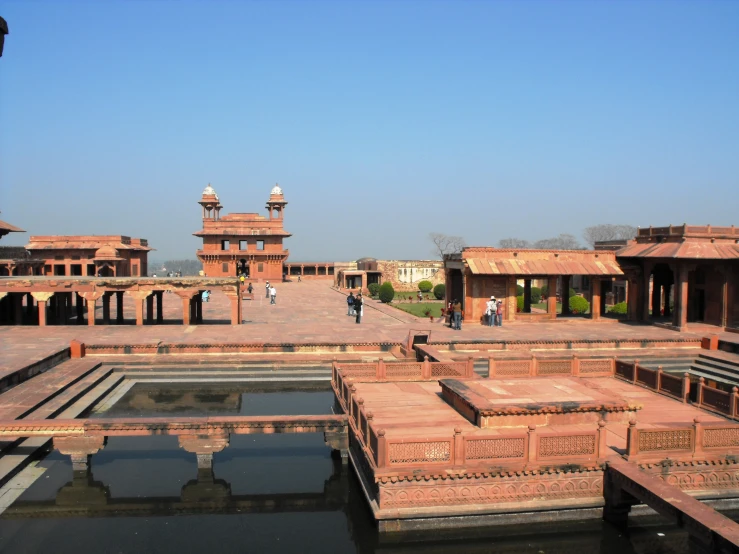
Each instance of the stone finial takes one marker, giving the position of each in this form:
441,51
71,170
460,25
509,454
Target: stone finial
632,422
381,433
457,431
601,424
532,427
697,420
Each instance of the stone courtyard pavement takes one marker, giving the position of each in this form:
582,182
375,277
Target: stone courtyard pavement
306,313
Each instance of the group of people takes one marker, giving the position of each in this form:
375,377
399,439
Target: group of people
355,306
494,312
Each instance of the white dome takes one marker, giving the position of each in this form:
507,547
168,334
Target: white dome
277,189
209,190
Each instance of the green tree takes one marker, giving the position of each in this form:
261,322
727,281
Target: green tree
387,292
374,289
578,305
535,295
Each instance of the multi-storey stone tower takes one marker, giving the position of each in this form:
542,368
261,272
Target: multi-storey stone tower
245,243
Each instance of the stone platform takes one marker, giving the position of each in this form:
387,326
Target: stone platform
541,402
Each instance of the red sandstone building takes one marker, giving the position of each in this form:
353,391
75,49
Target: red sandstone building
91,255
243,243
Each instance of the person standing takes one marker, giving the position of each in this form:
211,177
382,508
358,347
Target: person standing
491,307
272,295
499,313
206,295
267,290
350,304
358,307
250,289
457,313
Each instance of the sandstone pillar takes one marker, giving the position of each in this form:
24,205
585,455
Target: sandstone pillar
186,296
680,319
42,298
595,298
79,308
632,298
106,308
656,297
203,447
138,297
235,298
91,298
527,296
150,309
119,307
302,270
80,449
552,297
644,303
565,294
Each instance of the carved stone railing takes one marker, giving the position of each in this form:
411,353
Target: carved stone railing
401,371
650,443
551,367
654,379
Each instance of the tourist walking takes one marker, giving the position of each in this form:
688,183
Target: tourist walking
490,311
267,290
358,307
350,304
206,295
499,314
457,313
272,295
250,289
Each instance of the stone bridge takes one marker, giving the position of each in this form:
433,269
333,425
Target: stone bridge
203,436
625,484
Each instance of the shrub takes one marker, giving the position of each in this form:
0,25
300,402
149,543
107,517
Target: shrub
572,293
374,289
519,303
618,309
387,293
425,286
545,291
439,291
519,290
535,295
578,305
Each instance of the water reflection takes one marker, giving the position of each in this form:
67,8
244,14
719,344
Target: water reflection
276,493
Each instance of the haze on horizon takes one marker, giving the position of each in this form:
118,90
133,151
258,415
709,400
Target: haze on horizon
382,121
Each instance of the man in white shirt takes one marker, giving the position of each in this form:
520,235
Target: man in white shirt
490,311
272,295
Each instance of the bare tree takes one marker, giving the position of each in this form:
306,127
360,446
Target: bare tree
446,244
607,231
561,242
513,243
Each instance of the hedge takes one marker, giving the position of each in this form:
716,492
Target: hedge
374,289
618,309
387,292
425,286
578,305
439,291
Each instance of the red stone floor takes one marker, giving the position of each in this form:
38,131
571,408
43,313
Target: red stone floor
307,312
417,409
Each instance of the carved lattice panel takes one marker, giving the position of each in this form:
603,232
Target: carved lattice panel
720,437
419,452
454,369
512,368
484,449
595,366
665,440
554,367
571,445
412,369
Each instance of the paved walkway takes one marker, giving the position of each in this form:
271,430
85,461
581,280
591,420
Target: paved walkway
307,312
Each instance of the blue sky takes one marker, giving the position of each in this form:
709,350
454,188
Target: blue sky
382,121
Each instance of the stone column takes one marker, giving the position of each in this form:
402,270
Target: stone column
186,296
680,318
565,293
150,309
595,298
235,299
139,296
204,447
552,298
644,297
80,449
656,297
42,298
527,296
511,304
91,298
160,299
106,308
119,307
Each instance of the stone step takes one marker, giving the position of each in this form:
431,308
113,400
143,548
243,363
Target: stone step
718,364
720,357
34,393
70,394
93,396
709,372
